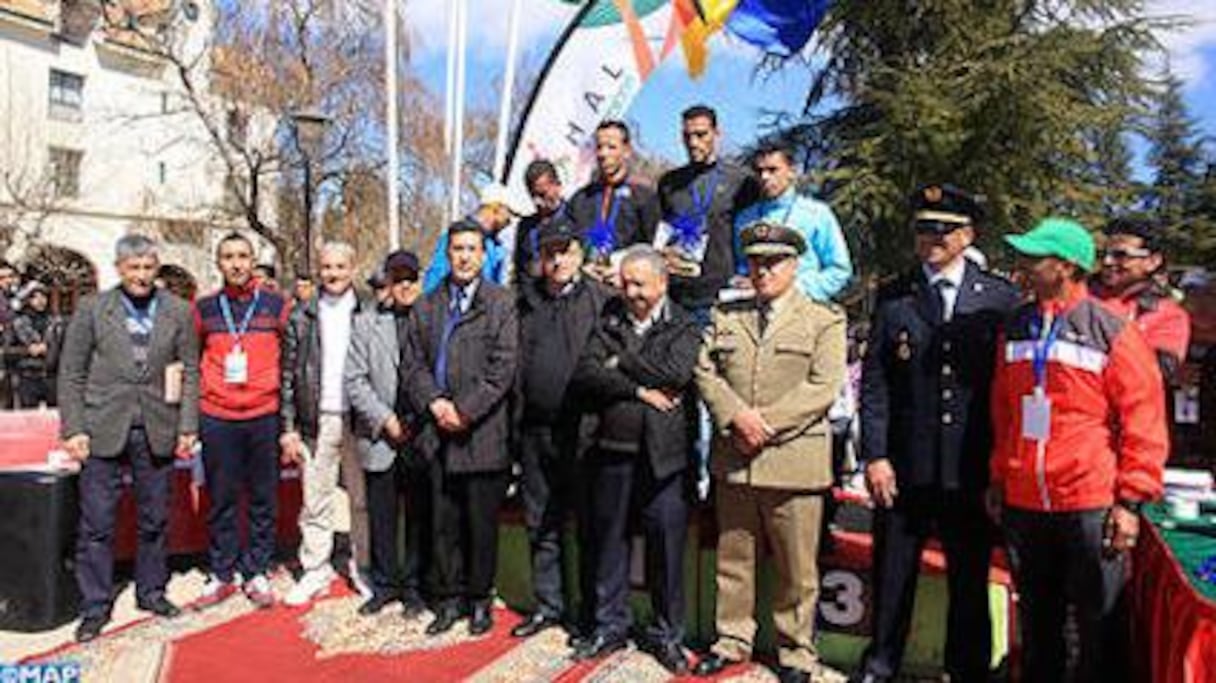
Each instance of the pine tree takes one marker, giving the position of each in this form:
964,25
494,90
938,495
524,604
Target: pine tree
1023,101
1176,157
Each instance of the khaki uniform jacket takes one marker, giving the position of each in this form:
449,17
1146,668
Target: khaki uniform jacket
792,375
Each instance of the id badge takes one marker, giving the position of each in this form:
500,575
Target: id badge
236,367
1036,417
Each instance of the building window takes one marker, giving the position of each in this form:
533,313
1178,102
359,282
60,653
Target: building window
66,95
64,169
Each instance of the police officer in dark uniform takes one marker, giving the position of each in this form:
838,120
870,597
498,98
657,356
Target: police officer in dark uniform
926,435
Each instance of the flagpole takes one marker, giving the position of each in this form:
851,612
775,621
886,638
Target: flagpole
508,92
458,106
394,132
449,91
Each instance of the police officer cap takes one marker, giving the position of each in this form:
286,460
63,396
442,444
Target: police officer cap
559,230
769,239
942,209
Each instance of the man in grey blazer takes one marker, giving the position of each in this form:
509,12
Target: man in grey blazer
128,389
395,474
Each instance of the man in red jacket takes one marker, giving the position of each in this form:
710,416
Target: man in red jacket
240,329
1080,443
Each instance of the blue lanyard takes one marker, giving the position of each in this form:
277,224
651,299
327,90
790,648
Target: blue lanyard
701,203
143,320
603,236
226,309
1042,347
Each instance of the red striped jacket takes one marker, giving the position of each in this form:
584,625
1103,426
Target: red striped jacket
1107,439
259,396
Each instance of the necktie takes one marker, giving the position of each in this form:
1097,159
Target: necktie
449,326
944,287
764,311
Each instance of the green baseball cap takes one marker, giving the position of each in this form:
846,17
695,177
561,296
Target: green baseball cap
1062,238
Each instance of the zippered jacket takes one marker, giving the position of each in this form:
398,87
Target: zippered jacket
1107,438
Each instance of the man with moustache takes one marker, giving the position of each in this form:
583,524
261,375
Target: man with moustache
241,330
557,315
1080,445
926,433
616,209
636,376
463,345
314,409
824,270
128,388
769,370
394,471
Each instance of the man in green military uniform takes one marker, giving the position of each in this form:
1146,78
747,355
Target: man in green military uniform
769,370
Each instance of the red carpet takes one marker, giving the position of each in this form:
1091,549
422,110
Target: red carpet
328,641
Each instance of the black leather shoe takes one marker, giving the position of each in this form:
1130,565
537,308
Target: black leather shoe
578,640
376,603
672,657
599,646
481,621
413,607
712,664
534,624
161,607
445,619
90,628
786,674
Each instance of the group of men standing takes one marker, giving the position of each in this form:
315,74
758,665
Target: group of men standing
642,340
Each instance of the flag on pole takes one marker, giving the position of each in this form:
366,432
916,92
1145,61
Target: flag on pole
779,27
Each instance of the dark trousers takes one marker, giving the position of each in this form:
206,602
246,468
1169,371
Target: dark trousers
553,491
621,483
241,458
100,488
399,490
34,390
1058,562
464,517
961,523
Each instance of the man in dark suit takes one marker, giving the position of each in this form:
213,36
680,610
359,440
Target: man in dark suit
462,344
637,374
926,434
128,388
558,313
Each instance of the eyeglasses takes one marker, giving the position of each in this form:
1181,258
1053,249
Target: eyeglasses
1124,253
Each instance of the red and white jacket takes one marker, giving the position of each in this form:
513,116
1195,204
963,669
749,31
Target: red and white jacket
1107,440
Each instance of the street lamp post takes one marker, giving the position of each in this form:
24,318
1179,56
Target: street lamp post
310,134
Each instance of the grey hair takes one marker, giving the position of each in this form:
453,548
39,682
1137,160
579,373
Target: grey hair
134,246
337,248
647,254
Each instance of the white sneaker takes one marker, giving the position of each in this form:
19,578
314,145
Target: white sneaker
312,585
214,592
259,592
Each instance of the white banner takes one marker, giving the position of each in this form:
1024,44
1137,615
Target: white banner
601,61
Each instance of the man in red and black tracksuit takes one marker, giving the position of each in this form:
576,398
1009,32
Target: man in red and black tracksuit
1127,285
240,329
1080,444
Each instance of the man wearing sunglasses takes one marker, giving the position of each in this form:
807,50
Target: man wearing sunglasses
926,435
1128,286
